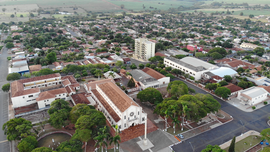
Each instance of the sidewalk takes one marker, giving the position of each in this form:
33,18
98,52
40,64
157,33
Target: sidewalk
238,138
246,108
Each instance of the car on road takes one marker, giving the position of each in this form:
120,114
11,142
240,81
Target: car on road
181,136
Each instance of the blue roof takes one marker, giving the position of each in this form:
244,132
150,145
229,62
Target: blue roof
222,71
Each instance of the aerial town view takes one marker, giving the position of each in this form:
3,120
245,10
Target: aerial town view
135,76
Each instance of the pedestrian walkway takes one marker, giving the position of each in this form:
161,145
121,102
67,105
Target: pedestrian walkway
238,138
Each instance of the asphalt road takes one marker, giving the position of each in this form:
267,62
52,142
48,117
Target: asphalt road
4,145
72,32
243,121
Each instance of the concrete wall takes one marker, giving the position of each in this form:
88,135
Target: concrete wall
24,100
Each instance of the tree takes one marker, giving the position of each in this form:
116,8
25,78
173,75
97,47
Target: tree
131,83
17,128
243,84
59,113
119,63
9,45
51,57
13,76
251,16
21,15
115,139
72,145
98,73
223,92
210,148
177,88
46,71
94,120
6,87
241,14
27,144
12,15
58,105
266,134
4,9
101,137
240,70
228,78
122,6
141,66
151,95
80,110
232,145
59,118
42,149
133,66
223,83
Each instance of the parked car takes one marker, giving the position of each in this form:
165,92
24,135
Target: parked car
181,136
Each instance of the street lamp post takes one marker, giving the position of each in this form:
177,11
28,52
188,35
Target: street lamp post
191,146
242,127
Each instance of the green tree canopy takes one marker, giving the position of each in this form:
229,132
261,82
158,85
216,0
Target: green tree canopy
131,83
42,149
6,87
58,105
13,76
133,66
151,95
72,145
9,45
228,78
95,120
27,144
232,145
51,57
17,128
177,88
80,110
223,92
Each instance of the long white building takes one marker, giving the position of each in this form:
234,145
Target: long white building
189,65
116,105
144,49
29,91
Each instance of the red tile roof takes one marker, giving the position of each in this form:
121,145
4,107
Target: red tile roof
51,94
117,96
233,87
110,110
153,73
160,54
80,98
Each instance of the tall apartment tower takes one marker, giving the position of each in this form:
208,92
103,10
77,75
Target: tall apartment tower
144,49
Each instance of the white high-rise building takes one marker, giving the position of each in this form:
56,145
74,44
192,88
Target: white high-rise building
144,49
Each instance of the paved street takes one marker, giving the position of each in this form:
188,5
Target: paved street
72,32
4,145
242,122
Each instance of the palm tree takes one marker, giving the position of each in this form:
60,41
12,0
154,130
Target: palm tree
112,75
184,113
98,73
174,109
101,137
115,140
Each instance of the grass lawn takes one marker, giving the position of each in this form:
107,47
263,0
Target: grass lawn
177,130
246,143
252,19
138,5
254,12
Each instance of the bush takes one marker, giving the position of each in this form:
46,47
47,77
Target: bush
83,79
253,107
6,87
13,76
9,58
191,78
265,102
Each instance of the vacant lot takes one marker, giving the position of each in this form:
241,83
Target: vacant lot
254,12
19,8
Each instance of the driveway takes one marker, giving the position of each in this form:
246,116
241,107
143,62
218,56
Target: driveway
243,121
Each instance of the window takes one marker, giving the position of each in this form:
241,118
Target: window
30,96
142,119
59,94
23,97
125,125
138,113
119,126
44,100
124,117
